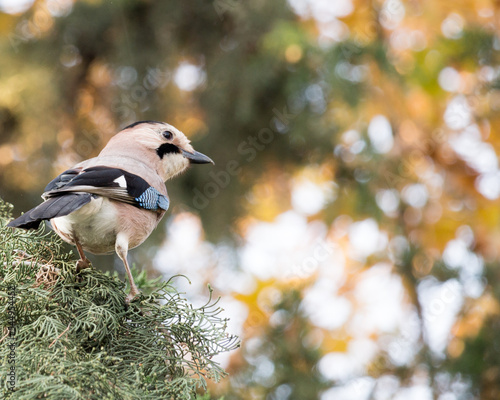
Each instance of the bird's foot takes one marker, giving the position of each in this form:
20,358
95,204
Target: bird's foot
133,295
82,264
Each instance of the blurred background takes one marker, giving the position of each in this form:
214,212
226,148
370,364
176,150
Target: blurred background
351,224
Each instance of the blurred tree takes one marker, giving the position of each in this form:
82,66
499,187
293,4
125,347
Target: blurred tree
283,365
385,111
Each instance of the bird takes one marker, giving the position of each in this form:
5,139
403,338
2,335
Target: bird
114,201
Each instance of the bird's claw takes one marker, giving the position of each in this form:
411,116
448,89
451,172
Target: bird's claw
82,264
132,296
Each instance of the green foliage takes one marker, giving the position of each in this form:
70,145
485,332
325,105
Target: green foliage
76,338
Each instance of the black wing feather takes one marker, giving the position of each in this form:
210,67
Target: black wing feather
63,179
101,180
97,176
51,208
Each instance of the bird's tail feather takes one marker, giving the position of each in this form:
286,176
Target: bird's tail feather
51,208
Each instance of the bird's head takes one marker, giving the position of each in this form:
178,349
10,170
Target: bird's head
159,144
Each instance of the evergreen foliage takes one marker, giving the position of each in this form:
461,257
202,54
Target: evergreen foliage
76,338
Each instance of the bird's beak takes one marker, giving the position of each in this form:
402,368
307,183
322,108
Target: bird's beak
196,157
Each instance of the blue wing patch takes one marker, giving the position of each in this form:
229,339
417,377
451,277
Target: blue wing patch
152,199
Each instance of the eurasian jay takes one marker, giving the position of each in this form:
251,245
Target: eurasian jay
114,201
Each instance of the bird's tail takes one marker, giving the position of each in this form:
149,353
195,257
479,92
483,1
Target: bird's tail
54,207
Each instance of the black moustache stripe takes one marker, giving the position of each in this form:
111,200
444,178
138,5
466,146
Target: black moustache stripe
167,148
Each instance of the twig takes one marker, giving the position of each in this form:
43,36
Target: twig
1,340
57,338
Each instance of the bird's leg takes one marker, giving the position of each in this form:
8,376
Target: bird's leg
121,248
83,262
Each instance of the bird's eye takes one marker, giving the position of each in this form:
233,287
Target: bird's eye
168,135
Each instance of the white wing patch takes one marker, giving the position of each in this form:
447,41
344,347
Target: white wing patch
121,181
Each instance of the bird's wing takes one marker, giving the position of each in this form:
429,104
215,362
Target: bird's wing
62,179
114,183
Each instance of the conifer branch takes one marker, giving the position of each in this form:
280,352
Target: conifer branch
75,337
